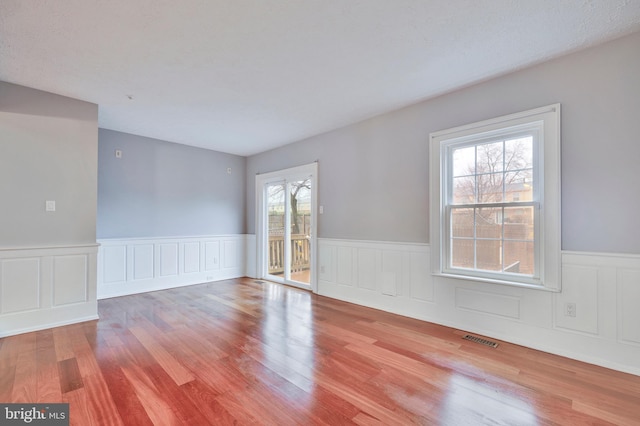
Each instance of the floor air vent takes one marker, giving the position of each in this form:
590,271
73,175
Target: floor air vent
259,282
481,341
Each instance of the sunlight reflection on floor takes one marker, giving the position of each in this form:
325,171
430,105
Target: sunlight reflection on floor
465,393
287,335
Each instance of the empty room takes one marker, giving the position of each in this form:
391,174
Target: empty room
320,212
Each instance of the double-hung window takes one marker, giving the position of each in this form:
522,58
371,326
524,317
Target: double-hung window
495,200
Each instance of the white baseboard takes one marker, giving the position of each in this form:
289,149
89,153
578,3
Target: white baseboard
45,287
395,277
43,325
137,265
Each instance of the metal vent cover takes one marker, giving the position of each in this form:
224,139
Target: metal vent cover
480,340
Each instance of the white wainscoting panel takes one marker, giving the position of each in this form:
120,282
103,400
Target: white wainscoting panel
418,267
579,287
168,259
629,305
232,253
387,276
488,303
368,268
395,277
212,255
116,256
70,279
20,284
47,287
157,263
191,258
345,264
142,261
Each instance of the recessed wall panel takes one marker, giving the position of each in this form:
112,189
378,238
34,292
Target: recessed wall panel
488,303
168,259
367,272
191,257
391,272
421,285
344,265
115,264
231,259
69,279
629,301
325,261
20,285
212,255
579,288
143,261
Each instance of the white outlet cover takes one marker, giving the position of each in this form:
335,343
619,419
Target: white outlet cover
50,206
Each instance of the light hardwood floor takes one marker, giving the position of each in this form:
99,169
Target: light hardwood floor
242,352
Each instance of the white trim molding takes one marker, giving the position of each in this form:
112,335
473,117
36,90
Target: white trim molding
603,290
138,265
46,287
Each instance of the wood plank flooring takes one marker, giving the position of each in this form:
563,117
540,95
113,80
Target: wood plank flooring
242,352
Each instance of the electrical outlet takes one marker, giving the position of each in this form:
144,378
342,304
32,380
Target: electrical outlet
570,310
322,270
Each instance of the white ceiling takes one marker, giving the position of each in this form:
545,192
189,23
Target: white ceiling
245,76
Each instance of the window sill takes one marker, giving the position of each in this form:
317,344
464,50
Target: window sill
495,281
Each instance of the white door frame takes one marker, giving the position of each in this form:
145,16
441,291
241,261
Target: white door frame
305,171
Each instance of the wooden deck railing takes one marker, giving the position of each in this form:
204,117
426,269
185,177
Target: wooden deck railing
300,248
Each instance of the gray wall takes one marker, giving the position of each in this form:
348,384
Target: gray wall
48,151
162,189
374,175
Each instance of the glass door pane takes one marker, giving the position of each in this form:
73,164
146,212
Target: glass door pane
286,226
276,229
299,258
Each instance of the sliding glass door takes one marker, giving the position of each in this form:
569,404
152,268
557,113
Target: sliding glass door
287,240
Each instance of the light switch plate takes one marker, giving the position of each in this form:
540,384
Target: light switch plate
50,206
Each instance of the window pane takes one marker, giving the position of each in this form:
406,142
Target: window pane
519,185
518,153
462,253
464,161
464,190
518,257
489,222
490,188
275,227
300,199
489,255
489,158
518,223
462,223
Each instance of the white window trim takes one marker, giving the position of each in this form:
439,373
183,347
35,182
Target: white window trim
549,227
